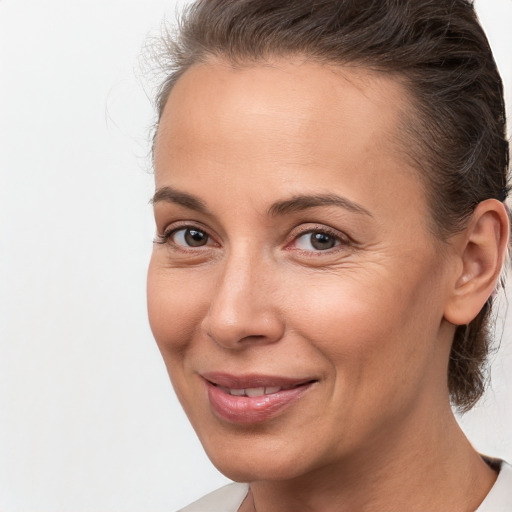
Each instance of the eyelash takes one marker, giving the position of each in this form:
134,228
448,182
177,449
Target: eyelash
340,238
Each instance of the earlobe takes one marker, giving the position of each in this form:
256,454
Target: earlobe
482,251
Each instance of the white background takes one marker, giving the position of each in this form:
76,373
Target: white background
88,421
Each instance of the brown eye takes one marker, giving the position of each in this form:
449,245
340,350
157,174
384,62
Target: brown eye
190,237
316,241
322,241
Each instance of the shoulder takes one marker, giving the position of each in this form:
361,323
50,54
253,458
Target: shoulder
226,499
499,498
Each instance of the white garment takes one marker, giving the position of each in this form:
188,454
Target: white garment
226,499
499,498
230,497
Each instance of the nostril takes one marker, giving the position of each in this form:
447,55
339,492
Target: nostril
246,326
234,340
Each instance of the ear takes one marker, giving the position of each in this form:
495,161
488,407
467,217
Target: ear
481,251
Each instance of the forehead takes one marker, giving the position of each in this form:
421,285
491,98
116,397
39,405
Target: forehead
271,123
299,94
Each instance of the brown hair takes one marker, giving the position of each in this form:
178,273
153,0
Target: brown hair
456,135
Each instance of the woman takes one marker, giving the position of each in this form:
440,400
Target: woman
330,178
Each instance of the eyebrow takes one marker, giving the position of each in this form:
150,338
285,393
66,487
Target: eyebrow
304,202
171,195
294,204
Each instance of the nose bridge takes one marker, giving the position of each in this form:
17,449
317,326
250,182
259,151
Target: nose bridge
242,309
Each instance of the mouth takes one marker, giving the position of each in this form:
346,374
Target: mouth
254,398
252,392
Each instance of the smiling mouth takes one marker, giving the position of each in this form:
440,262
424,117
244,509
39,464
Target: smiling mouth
252,399
253,392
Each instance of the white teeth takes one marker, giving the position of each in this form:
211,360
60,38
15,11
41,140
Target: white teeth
255,391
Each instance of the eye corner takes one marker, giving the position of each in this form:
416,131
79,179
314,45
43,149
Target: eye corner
159,239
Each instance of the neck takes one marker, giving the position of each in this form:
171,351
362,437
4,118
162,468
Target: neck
426,465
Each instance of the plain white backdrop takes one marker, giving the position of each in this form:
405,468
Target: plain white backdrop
88,420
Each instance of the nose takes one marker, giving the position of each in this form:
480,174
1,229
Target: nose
244,309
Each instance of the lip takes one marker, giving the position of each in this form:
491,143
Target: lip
252,409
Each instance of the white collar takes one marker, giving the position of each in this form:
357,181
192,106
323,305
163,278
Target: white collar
499,498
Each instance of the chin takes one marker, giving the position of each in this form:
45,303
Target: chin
249,469
258,458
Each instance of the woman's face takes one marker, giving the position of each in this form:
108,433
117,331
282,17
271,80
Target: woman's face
297,294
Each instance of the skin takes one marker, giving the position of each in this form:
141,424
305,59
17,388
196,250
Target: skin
370,319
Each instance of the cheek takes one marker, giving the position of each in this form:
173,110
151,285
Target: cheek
177,302
369,327
375,338
342,308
